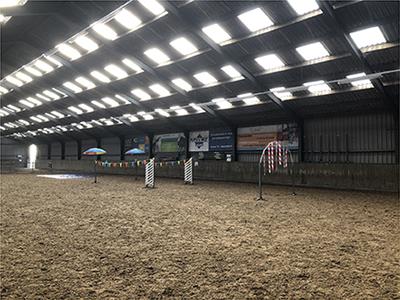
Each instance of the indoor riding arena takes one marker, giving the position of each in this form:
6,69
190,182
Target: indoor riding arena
199,149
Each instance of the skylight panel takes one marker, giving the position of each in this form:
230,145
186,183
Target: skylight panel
142,95
156,55
2,128
160,90
183,46
368,37
269,62
14,108
231,72
116,71
255,19
123,99
317,87
26,103
86,43
24,122
86,107
72,86
127,19
33,71
45,67
100,76
22,76
14,81
278,92
131,117
162,112
75,110
57,114
222,103
43,118
131,65
98,104
182,84
179,110
36,119
216,33
3,113
205,78
3,90
51,94
312,51
145,115
69,51
10,3
249,99
110,101
88,84
105,31
86,124
58,91
54,61
34,101
50,115
43,97
153,6
304,6
365,83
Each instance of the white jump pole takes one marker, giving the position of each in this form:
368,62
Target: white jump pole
149,174
188,171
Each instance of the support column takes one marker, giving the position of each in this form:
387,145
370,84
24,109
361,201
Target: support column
98,145
234,144
49,151
62,150
79,149
396,120
301,142
122,147
150,136
187,152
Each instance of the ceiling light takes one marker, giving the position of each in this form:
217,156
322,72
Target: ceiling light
72,86
131,65
312,51
43,97
368,37
42,118
14,108
366,83
105,31
231,71
98,104
75,110
10,125
255,19
123,99
3,90
162,112
304,6
249,99
269,62
222,103
100,76
45,67
153,6
110,101
24,122
116,71
34,101
50,115
33,71
156,55
14,81
196,107
57,114
181,83
278,92
160,90
69,51
58,91
205,78
52,95
179,110
131,117
86,43
142,95
22,76
9,3
85,82
86,107
127,19
317,87
216,33
36,119
54,61
145,115
2,128
26,103
3,113
183,46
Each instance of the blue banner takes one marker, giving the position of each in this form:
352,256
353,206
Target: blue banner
220,140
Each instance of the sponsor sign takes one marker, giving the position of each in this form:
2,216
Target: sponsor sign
199,141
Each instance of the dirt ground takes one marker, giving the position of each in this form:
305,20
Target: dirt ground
72,239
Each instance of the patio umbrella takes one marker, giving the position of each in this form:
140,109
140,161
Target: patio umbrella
94,152
135,151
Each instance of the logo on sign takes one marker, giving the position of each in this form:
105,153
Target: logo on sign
199,141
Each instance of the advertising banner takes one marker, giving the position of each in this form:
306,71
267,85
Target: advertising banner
221,140
140,142
167,143
199,141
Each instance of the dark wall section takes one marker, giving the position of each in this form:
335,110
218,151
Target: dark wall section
12,154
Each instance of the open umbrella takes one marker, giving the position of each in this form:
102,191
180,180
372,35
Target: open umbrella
94,152
135,151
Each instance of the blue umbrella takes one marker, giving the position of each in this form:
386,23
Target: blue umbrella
94,152
134,151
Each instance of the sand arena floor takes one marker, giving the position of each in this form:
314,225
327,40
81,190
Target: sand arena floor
72,239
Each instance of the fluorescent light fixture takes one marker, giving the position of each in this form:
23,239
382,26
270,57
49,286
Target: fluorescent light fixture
72,86
24,122
34,101
10,125
110,101
312,51
86,43
278,92
100,76
131,117
179,110
43,97
14,81
205,78
57,114
216,33
127,19
131,64
10,3
231,71
51,94
368,37
366,83
3,90
107,122
145,115
222,103
14,108
75,110
26,103
153,6
317,87
156,55
98,104
54,61
69,51
88,84
50,115
22,76
249,99
183,46
86,107
142,95
60,92
304,6
182,84
123,99
43,118
36,119
2,128
269,62
105,31
162,112
33,71
116,71
255,19
160,90
45,67
86,124
3,113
